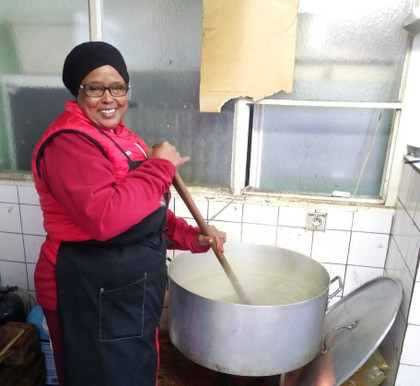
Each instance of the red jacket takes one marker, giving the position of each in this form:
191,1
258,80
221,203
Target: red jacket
87,192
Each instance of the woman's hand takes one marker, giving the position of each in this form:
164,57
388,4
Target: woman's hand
216,235
167,151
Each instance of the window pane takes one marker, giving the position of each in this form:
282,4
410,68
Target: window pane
320,150
35,36
350,50
161,41
346,51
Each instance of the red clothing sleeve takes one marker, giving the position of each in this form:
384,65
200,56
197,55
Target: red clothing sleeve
82,180
182,235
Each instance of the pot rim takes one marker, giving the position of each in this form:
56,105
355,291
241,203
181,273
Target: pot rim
231,247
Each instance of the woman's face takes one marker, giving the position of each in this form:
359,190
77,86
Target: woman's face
106,111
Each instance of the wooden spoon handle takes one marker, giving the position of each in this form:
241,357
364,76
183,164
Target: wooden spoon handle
182,190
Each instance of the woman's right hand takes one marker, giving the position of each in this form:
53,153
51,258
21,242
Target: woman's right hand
167,151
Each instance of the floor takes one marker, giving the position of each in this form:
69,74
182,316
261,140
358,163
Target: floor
177,370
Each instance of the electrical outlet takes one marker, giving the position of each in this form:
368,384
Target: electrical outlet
316,221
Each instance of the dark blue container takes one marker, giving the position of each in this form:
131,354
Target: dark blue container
36,317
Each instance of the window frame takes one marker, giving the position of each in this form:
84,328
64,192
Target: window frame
95,19
242,151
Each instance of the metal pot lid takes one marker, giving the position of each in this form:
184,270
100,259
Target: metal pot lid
354,327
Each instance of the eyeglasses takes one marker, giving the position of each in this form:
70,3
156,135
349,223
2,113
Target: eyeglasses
98,90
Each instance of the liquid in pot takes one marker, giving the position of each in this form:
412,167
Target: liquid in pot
263,288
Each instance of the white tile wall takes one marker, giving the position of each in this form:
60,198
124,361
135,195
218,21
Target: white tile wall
368,249
8,193
292,216
408,286
259,234
356,276
410,353
372,221
339,219
407,173
32,247
13,274
10,218
412,194
31,269
331,246
295,239
353,246
32,220
412,256
414,317
225,211
11,247
182,211
402,262
260,214
28,195
408,376
396,267
416,217
401,227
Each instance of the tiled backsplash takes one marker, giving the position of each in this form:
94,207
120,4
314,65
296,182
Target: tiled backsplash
21,234
354,244
402,262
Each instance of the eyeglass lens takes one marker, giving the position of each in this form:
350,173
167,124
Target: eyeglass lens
98,90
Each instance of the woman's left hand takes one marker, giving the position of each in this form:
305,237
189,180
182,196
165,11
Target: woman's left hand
217,236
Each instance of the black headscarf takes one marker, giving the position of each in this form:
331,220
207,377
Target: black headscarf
88,56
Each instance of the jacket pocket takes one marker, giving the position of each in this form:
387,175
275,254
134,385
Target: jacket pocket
122,311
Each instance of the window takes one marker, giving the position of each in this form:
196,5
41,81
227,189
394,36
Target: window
325,150
35,36
161,41
332,136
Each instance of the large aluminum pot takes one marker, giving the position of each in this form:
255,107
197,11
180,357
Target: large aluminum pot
279,332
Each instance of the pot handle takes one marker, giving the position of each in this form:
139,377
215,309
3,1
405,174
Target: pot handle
340,286
349,327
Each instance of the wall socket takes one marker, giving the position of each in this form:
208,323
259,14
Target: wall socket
316,221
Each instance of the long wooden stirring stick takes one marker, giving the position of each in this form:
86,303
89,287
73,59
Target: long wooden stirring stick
182,190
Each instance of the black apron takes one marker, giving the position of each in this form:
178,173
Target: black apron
110,298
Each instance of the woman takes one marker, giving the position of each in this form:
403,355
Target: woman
101,274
